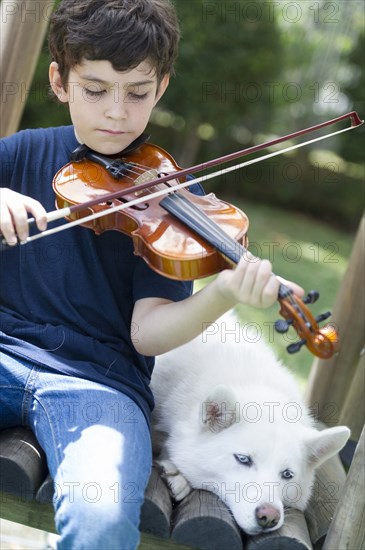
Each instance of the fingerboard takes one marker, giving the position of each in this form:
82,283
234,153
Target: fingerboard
193,217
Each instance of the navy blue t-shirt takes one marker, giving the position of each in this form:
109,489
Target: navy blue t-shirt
66,300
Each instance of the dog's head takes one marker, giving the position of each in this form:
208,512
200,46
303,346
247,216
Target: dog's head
258,456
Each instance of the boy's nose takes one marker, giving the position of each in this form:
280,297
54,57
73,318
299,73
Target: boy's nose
117,108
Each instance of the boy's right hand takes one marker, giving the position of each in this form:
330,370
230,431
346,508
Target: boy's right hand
14,209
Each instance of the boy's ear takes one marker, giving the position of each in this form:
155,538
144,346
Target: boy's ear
56,83
162,87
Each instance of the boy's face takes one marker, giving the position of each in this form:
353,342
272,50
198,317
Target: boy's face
109,109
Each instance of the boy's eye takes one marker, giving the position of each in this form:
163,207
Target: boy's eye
137,97
94,93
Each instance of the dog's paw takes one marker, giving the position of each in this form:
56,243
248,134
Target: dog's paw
176,482
179,486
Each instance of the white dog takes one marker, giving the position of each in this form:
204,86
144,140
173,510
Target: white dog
230,419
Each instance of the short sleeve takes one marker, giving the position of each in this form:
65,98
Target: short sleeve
149,284
6,164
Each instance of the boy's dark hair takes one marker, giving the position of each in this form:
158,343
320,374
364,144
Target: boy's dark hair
124,32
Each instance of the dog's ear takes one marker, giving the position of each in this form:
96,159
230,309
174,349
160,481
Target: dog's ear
220,409
327,443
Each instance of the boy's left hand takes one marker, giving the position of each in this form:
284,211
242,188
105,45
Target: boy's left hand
252,283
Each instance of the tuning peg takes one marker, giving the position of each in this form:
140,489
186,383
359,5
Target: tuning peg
282,325
323,316
311,297
293,348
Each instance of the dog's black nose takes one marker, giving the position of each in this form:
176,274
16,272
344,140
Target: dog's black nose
267,516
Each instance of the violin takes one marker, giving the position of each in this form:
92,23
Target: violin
166,244
182,236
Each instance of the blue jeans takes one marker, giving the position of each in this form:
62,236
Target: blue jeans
98,449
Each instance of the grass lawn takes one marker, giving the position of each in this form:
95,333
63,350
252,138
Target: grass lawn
303,250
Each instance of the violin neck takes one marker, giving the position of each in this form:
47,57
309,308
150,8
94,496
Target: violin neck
188,213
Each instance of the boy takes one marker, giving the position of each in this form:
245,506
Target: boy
82,317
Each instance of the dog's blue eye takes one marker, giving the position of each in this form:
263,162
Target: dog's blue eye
243,459
287,474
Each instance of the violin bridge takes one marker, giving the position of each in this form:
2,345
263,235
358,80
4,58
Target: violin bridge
148,175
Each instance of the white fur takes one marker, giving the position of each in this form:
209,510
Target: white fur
220,396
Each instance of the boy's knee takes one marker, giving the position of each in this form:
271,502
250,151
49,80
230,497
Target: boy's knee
85,525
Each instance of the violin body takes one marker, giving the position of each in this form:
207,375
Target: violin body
165,243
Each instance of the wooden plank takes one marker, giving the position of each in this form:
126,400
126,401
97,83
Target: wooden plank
46,491
157,507
149,542
40,516
156,510
23,463
329,482
353,410
203,521
330,379
293,535
23,468
347,530
23,25
30,513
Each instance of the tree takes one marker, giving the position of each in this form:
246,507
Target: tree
229,50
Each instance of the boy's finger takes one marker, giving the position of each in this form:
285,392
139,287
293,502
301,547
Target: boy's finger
7,228
36,209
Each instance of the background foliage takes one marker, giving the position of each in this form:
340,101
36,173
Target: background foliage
249,71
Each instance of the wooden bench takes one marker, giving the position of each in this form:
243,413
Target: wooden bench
200,521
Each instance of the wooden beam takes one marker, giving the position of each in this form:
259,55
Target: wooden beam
327,490
40,516
353,410
202,520
293,535
23,26
347,529
330,379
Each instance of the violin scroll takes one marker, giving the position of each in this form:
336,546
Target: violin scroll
322,342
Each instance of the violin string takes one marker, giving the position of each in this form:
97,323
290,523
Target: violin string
143,169
132,171
135,173
139,169
190,213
